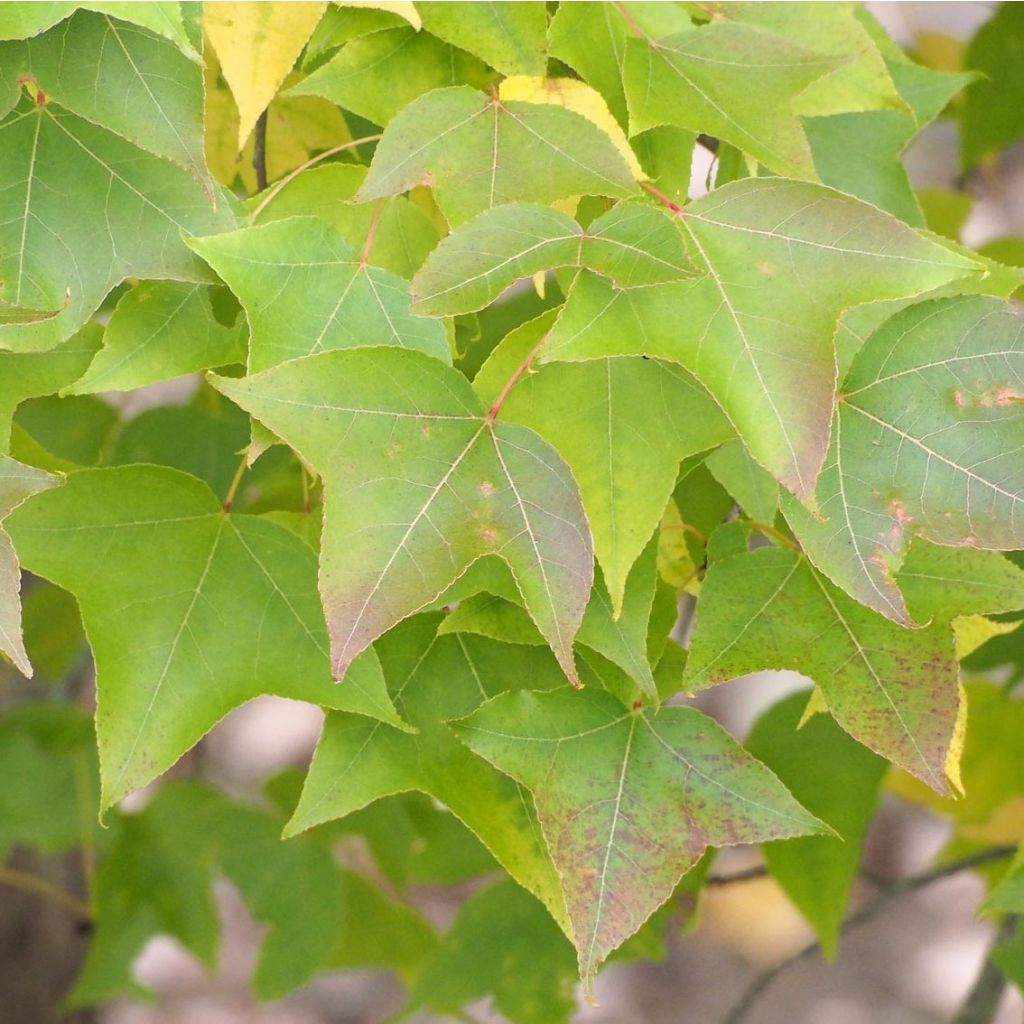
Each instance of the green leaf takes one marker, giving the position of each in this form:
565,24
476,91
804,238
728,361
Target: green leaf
894,690
49,761
943,582
25,375
358,761
991,111
630,423
925,441
305,290
157,102
129,209
511,37
233,612
158,874
880,137
860,81
632,245
403,233
591,38
503,945
376,75
22,20
476,152
17,484
622,640
628,802
754,489
419,484
782,260
63,434
748,100
834,778
159,330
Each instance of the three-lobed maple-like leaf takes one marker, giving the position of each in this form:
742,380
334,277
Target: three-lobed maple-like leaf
748,98
780,261
893,689
628,801
157,103
195,612
257,44
632,245
160,330
17,483
628,425
927,438
305,290
476,151
419,484
358,761
129,209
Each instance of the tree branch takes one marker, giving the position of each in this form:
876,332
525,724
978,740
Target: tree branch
259,152
41,887
889,890
982,1002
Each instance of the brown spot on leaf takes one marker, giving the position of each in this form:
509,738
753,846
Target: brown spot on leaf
486,488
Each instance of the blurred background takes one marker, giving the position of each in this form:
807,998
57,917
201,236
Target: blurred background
910,964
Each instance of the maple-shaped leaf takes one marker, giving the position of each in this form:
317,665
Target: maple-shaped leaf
628,801
511,37
305,290
781,260
17,483
232,613
624,431
748,100
129,209
403,234
159,330
476,151
419,483
632,245
359,761
257,44
378,74
24,20
928,438
895,690
158,100
25,375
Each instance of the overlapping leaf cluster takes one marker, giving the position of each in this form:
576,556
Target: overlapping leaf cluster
504,395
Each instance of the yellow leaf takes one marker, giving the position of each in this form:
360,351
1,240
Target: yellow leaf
257,44
403,8
577,96
674,563
816,705
971,631
297,127
956,745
